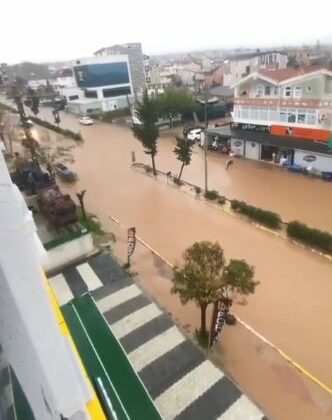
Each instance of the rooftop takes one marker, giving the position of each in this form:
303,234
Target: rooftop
247,56
280,75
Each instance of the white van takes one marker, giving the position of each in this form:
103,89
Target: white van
194,135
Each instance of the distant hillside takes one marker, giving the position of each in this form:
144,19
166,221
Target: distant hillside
28,71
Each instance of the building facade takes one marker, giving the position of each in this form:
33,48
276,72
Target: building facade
284,114
98,84
239,66
138,63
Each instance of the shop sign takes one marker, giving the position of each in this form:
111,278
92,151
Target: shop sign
252,127
220,311
309,158
305,133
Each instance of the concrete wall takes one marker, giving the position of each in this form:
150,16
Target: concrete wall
322,162
29,335
68,252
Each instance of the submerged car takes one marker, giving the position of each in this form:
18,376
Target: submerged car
65,173
85,120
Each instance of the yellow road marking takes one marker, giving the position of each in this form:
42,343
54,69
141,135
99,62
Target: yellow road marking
281,352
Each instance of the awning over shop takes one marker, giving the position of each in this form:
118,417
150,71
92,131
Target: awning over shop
271,140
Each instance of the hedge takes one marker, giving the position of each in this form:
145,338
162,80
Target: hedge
211,194
265,217
310,236
50,126
46,124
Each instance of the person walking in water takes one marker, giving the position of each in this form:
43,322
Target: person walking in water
229,163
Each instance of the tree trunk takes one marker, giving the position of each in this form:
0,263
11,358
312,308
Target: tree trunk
203,318
180,174
153,165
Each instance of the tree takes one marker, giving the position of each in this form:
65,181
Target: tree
146,131
183,151
204,278
175,101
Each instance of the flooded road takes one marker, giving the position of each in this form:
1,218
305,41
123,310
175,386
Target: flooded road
292,304
293,196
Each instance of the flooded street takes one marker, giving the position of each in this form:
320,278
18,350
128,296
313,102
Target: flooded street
291,306
294,282
293,196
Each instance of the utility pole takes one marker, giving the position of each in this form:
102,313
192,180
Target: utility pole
205,146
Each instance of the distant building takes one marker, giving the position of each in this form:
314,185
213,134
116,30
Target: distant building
136,62
96,84
240,65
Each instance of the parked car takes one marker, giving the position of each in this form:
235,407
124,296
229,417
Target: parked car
26,121
194,135
65,173
85,120
188,128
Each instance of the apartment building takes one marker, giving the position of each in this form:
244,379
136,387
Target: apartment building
285,114
239,66
137,62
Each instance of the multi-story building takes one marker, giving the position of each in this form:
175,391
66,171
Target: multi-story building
98,84
136,62
238,66
284,115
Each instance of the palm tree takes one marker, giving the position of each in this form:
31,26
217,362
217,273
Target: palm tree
183,151
146,130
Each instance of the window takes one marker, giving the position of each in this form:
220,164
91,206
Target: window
291,116
267,90
283,116
301,113
288,92
263,114
102,74
276,90
297,92
72,97
311,117
309,89
253,113
247,69
273,114
259,90
244,112
110,93
90,94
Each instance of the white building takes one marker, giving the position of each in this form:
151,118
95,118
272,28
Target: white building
97,84
35,356
238,66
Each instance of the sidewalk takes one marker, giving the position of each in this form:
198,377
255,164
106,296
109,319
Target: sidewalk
278,388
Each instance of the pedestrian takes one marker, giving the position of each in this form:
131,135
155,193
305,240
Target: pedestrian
229,163
133,157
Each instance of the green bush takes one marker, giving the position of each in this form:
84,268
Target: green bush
53,127
211,195
197,189
221,200
265,217
310,236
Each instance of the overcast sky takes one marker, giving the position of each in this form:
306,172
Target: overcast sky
36,30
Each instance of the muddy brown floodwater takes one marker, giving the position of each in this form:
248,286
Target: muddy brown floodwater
292,305
293,196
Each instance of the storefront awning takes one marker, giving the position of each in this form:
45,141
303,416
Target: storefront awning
271,140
